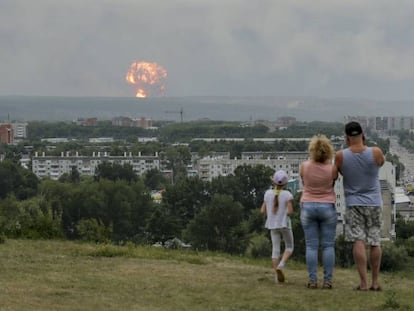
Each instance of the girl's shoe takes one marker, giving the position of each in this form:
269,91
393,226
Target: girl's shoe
280,275
312,285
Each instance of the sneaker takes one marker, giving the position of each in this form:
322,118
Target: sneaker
280,275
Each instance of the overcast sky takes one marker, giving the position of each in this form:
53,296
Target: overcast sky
323,48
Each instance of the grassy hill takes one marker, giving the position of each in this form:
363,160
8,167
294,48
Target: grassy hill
63,275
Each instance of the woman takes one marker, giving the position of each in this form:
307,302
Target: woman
318,211
277,205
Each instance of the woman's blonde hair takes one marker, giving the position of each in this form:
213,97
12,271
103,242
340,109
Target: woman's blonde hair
320,148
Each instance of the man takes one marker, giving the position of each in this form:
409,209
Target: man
359,165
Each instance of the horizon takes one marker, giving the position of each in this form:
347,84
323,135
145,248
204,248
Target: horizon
225,108
351,98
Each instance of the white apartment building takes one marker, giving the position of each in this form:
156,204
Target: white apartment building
99,140
19,130
55,166
221,165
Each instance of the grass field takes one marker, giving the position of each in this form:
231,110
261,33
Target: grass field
63,275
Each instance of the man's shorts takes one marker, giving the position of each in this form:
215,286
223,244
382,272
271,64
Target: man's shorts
363,223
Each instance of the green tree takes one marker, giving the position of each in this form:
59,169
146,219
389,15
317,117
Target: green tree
404,229
252,182
31,218
85,201
176,159
185,198
9,217
215,226
399,167
129,206
58,195
12,152
17,180
161,225
115,171
37,219
154,179
298,234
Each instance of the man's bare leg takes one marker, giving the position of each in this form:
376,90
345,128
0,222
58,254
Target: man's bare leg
375,262
360,258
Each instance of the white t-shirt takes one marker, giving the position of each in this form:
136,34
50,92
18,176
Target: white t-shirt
280,219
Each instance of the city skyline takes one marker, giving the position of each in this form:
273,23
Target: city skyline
249,108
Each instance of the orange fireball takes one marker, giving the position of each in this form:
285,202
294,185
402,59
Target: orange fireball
147,78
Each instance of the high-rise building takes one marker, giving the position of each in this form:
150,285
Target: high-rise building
6,133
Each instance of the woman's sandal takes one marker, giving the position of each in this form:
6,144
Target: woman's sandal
375,289
327,285
312,285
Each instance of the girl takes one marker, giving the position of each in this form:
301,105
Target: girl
277,205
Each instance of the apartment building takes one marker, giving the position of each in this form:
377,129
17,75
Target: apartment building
129,122
6,133
14,130
19,130
87,121
55,166
388,123
221,165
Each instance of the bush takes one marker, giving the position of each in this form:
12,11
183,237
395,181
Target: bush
404,229
32,218
409,246
343,252
93,230
394,257
259,246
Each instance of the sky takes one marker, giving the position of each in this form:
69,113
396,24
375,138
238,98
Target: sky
322,48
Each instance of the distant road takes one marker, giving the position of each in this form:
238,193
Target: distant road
405,157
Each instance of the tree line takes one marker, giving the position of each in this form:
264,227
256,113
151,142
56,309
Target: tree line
115,206
178,132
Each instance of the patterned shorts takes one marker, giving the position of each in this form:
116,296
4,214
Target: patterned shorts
363,223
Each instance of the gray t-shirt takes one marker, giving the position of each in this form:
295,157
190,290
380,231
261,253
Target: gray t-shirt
360,178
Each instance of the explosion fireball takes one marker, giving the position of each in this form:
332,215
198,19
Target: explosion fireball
147,78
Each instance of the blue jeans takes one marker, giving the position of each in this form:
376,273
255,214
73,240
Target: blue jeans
319,223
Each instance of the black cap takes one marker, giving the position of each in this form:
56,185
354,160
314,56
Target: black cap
353,129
